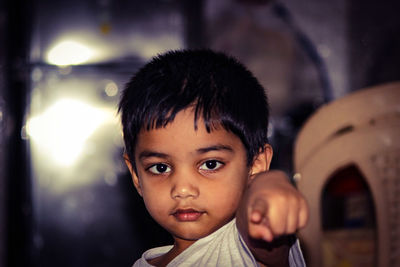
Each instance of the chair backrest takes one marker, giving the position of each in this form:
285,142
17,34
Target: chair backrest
361,129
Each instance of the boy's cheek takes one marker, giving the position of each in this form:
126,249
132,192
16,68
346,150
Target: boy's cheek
155,206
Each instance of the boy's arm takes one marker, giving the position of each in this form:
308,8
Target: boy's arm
269,213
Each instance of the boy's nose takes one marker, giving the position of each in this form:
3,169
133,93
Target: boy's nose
184,189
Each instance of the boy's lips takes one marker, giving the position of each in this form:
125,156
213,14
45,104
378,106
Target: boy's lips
187,215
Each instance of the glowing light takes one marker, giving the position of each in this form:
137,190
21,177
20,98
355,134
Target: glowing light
61,131
69,53
111,89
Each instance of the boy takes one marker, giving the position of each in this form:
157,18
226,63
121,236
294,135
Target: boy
195,129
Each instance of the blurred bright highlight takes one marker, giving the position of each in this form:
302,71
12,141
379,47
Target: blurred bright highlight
69,53
62,130
111,89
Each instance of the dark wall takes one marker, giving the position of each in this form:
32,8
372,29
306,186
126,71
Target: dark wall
15,68
374,41
2,136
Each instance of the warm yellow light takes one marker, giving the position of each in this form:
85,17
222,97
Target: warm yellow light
61,131
69,53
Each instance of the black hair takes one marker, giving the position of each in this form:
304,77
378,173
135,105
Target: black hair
220,89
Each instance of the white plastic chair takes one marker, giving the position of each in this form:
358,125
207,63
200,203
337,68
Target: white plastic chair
362,129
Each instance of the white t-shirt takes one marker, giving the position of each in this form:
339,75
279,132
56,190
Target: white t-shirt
224,247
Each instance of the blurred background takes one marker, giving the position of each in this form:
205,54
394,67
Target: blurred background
66,198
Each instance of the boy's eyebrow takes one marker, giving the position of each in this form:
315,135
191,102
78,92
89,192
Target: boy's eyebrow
148,154
214,148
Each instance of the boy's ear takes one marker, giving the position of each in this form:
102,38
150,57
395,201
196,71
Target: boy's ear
262,161
135,178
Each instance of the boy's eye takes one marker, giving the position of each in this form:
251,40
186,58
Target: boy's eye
159,168
211,165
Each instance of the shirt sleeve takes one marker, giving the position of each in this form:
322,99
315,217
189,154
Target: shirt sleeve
296,258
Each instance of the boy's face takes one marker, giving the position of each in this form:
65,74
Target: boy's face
191,180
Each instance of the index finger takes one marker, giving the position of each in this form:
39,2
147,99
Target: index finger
258,210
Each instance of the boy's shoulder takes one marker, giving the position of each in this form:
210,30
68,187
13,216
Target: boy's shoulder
151,254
